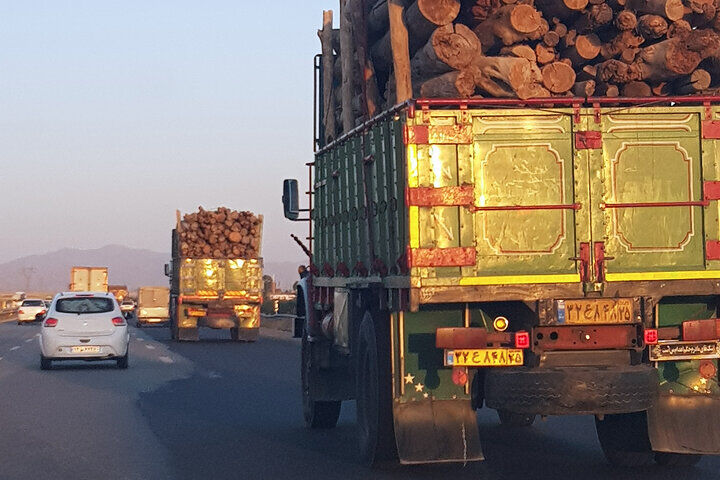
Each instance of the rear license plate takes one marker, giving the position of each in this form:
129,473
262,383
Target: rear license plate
484,357
597,311
668,351
85,349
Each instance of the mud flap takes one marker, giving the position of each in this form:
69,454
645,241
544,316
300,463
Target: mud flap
685,424
434,431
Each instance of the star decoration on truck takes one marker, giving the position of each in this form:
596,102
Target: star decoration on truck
409,378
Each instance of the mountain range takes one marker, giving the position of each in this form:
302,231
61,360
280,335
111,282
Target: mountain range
133,267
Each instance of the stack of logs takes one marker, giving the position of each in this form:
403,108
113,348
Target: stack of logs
221,233
387,51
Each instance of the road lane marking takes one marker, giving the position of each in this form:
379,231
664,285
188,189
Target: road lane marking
214,375
140,339
151,347
165,359
17,347
29,340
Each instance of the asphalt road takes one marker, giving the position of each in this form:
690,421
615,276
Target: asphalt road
218,409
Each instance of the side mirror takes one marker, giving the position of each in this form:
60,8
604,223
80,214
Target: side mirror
290,199
167,270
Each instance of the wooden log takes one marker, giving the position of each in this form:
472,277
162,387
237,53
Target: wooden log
328,61
544,54
511,24
377,20
400,52
506,77
347,60
369,87
652,27
679,27
625,20
424,16
636,89
551,39
562,9
697,81
670,9
449,85
584,89
595,17
586,48
587,72
522,51
451,47
625,40
558,77
559,28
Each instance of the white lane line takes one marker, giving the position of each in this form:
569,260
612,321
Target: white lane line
140,339
214,375
17,347
29,340
151,347
37,334
165,359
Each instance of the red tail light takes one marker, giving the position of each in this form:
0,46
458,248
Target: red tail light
50,322
118,321
651,336
522,339
20,312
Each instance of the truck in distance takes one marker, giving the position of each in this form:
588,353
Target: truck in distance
89,279
152,305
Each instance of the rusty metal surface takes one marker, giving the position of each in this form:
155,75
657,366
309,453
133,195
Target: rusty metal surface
685,424
442,196
701,329
436,431
442,257
587,337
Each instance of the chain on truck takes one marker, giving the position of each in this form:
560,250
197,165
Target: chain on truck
539,257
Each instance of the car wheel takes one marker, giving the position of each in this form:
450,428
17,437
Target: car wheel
122,362
45,363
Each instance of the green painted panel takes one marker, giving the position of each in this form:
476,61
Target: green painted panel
424,373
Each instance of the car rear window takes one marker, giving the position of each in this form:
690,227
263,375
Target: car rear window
33,303
82,305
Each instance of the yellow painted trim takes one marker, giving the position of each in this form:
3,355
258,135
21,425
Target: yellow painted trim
638,276
414,226
413,175
520,279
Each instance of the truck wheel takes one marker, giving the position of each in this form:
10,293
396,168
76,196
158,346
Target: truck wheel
317,414
513,419
374,397
677,459
624,439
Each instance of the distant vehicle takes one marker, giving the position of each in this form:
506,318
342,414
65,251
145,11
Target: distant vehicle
152,307
84,326
127,307
120,292
29,309
89,279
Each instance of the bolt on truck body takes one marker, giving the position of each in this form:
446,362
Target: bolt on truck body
550,257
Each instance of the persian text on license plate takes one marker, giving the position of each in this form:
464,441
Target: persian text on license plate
484,357
597,311
85,349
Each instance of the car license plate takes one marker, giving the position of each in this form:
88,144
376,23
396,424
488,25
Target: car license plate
85,349
668,351
597,311
484,357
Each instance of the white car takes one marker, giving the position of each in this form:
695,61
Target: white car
84,326
29,309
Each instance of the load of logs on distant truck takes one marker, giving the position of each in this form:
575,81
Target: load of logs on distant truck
380,57
216,274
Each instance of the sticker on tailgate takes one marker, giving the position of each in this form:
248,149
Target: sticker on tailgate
676,350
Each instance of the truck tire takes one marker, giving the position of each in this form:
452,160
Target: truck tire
667,459
571,390
376,433
624,439
512,419
317,414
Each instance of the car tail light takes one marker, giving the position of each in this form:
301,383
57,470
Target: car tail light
118,321
522,339
651,336
21,312
50,322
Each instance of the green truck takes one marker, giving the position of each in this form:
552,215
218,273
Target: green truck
215,293
539,257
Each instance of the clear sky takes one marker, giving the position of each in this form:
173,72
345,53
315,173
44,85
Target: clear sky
113,114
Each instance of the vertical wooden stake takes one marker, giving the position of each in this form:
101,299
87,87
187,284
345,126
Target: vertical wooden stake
400,51
328,62
347,53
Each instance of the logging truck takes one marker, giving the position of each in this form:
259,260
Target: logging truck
223,288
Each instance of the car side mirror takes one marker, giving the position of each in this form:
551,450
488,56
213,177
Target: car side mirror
167,269
290,199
